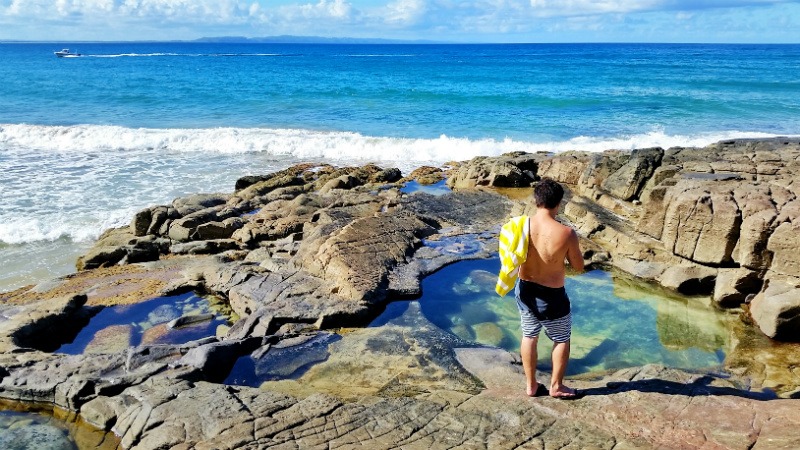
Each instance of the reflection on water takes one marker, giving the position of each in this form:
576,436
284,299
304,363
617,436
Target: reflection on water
463,245
616,323
116,328
24,431
287,360
439,188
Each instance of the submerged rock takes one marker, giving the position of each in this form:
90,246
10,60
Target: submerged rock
113,339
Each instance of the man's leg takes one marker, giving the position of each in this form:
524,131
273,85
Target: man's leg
559,331
529,357
560,359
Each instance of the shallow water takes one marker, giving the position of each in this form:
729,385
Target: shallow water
616,323
281,363
24,430
38,426
439,188
116,328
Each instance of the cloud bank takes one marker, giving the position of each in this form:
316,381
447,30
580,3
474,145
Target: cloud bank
476,20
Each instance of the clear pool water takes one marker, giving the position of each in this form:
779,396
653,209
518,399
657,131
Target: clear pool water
116,328
616,322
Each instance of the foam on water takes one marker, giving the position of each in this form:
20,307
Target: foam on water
92,177
335,145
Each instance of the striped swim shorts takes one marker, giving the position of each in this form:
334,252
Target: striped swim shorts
540,306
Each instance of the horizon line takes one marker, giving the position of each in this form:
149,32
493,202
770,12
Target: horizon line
286,39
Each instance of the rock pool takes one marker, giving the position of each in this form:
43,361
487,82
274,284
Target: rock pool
409,348
28,426
616,322
116,328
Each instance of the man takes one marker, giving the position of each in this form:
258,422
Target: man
541,297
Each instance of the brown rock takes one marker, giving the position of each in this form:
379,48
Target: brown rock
734,285
627,181
776,310
689,280
702,225
112,339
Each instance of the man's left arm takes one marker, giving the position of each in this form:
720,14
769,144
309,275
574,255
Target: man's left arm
574,254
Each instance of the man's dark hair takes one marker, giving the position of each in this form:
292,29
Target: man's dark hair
547,193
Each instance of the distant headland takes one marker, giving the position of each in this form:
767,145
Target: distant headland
288,39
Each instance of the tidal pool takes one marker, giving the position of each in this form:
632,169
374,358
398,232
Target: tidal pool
439,188
617,323
284,361
408,348
36,426
22,430
115,328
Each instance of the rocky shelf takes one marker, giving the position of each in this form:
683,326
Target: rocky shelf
316,247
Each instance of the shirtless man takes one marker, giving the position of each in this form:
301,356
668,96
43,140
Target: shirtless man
541,297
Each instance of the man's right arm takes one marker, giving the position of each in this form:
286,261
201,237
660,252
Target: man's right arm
574,254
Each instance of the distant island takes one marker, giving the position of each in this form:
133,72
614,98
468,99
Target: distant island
288,39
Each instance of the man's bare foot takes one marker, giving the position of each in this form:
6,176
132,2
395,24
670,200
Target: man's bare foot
536,391
563,393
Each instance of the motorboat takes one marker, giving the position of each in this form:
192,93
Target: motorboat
65,52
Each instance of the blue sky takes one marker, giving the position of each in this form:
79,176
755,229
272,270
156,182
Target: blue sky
726,21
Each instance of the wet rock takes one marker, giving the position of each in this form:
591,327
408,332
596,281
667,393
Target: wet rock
141,222
108,250
198,202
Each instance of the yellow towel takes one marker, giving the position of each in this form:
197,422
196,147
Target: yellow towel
513,251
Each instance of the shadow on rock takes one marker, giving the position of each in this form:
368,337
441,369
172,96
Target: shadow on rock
699,387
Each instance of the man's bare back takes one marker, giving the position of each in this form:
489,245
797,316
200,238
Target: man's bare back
550,244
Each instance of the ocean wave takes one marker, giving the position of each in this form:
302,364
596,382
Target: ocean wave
335,145
23,230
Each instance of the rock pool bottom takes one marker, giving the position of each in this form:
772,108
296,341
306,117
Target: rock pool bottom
411,344
34,427
617,322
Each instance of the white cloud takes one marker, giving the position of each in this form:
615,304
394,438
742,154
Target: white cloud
404,12
565,8
426,19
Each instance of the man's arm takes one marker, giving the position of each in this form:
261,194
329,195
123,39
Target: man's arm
574,254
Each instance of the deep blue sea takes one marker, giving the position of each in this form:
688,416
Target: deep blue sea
87,141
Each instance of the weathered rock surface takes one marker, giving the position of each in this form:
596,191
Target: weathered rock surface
319,247
682,216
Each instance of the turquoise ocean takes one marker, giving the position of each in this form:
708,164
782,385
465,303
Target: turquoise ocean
87,141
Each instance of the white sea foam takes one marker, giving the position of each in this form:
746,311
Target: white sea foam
75,181
337,146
